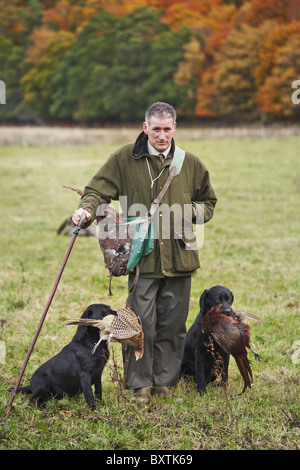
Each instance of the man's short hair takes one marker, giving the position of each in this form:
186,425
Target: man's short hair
160,110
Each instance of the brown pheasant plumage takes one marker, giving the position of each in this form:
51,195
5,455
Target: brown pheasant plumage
114,236
233,335
111,227
125,327
114,240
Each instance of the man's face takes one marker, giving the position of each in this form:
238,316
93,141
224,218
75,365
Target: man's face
160,132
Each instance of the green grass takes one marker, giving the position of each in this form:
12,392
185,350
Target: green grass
251,246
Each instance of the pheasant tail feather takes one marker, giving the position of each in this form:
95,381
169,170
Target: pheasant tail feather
245,370
85,322
78,191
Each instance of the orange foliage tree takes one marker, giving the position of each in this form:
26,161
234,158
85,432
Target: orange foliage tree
275,94
277,37
40,40
243,67
206,105
37,83
264,10
232,89
64,16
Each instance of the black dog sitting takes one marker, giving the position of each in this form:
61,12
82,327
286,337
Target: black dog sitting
74,369
202,355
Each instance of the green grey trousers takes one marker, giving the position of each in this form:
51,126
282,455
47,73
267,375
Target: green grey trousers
162,305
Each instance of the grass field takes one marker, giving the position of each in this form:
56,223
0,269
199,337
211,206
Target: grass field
251,246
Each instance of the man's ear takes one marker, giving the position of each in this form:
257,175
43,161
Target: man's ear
145,128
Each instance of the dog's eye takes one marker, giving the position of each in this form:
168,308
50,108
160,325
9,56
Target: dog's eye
218,301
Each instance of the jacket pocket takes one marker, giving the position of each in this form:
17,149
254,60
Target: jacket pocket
185,259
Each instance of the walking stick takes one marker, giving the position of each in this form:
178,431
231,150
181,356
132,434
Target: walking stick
74,236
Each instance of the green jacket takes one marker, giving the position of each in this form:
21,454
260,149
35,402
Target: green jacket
125,173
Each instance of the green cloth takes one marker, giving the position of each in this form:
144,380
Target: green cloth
142,244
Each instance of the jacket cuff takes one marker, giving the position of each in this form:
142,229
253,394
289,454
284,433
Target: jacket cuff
198,218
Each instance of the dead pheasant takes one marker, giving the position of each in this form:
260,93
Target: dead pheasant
115,236
114,240
233,335
125,327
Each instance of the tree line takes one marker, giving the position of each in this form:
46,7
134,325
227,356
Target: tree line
95,61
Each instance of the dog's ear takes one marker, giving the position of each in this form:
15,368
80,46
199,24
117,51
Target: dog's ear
93,309
87,313
202,300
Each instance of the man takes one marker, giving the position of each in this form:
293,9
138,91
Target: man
161,297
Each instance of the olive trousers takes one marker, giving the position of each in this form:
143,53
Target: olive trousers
162,305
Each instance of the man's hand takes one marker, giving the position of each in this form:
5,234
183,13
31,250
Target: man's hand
77,216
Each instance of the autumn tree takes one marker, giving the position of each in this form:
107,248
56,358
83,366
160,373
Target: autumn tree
11,60
264,10
94,47
276,38
187,73
274,96
168,78
38,85
207,97
39,43
18,21
234,78
65,15
118,66
188,13
136,32
92,61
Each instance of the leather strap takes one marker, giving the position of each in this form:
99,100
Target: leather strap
158,199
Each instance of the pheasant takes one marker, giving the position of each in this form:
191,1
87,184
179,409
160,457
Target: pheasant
111,227
125,327
233,335
115,236
114,240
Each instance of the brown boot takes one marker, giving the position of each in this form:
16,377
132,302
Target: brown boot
161,391
141,395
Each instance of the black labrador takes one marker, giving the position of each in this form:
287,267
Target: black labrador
74,369
202,356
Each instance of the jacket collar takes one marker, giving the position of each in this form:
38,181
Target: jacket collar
140,148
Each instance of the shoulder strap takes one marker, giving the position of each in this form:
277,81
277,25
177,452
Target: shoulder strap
174,170
158,199
177,160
